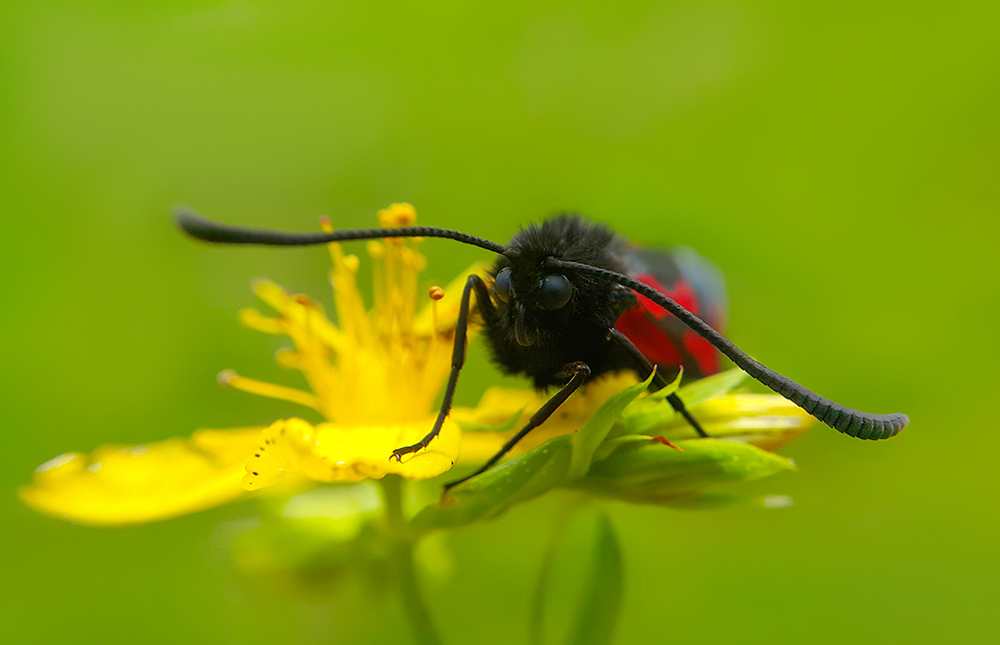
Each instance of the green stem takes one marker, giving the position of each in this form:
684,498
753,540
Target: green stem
536,620
402,564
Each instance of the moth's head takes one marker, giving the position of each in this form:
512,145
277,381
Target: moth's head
536,301
529,297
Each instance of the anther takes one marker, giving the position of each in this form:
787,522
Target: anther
375,249
401,214
436,293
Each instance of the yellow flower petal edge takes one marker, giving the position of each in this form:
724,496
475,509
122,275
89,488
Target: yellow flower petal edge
119,485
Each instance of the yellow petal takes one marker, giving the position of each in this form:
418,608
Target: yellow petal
333,452
498,404
117,485
768,421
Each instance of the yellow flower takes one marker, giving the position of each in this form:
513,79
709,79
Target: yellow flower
373,375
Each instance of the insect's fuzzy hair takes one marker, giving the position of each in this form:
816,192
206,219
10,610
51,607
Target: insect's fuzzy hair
567,236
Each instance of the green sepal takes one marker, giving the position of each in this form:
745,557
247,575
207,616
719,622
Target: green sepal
649,415
638,469
596,429
711,387
649,411
308,550
491,493
320,534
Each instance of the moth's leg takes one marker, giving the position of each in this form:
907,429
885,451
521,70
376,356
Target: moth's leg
488,313
644,366
678,406
580,372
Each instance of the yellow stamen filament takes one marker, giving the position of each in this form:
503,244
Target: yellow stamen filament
289,359
256,320
253,386
435,293
381,365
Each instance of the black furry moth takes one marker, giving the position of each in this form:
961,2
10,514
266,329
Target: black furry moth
571,300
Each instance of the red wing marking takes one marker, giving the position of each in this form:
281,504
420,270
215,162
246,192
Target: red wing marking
682,294
703,352
642,325
648,337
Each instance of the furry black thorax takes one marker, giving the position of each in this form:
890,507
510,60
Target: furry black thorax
577,332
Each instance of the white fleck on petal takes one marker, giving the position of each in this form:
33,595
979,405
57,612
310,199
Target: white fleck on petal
55,462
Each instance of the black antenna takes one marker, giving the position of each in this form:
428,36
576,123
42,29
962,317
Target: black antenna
205,229
854,423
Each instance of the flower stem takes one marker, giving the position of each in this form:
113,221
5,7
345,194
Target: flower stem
423,629
536,621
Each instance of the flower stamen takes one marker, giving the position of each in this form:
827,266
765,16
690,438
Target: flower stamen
230,378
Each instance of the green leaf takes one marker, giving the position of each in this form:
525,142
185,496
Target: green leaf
597,427
711,387
603,591
649,411
664,392
639,469
651,414
491,493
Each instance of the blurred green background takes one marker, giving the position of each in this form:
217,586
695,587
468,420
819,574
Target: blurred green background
839,161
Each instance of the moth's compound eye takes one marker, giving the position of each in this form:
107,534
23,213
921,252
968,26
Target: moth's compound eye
554,292
502,285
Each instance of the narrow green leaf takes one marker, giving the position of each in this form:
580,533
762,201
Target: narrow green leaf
711,387
603,590
651,414
649,411
491,493
597,427
664,392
